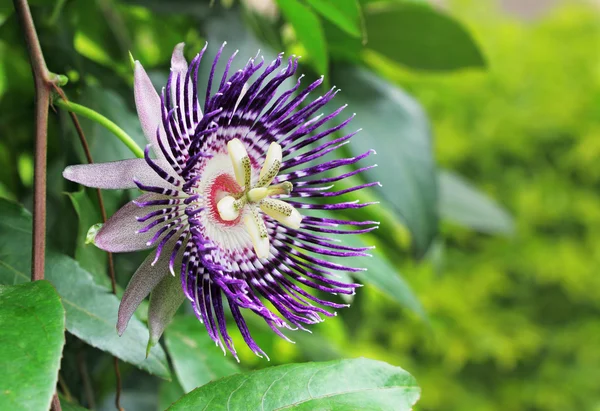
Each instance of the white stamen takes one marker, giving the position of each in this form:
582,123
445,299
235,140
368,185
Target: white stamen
271,166
258,233
227,208
257,194
282,212
241,162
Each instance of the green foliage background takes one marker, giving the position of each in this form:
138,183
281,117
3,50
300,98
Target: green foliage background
483,321
515,322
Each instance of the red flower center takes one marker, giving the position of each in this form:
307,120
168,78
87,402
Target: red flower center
223,185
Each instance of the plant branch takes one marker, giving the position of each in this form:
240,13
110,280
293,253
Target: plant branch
42,80
103,121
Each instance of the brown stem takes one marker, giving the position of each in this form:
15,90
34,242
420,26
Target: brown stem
42,82
118,377
64,388
85,380
55,405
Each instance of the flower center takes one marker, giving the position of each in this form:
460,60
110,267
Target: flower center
221,187
254,197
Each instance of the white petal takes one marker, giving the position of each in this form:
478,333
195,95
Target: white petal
179,67
118,174
282,212
119,234
147,103
165,299
178,62
146,277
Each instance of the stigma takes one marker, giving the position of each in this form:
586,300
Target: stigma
257,197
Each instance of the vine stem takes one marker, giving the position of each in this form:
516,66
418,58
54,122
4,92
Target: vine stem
42,82
103,121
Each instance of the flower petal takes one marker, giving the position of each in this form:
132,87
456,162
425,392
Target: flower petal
178,62
118,174
179,69
147,103
120,233
165,299
145,279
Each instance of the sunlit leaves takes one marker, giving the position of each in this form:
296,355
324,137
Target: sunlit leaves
357,384
308,30
345,14
32,324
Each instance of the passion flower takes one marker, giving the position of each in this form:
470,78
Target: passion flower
224,200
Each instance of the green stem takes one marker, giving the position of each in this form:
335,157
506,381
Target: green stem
56,12
103,121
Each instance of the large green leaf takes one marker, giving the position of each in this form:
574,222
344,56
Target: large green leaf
420,37
309,32
358,384
396,127
32,320
345,14
195,360
91,309
462,203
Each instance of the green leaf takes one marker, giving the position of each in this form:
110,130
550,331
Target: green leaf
195,360
32,320
462,203
358,384
91,309
384,276
309,32
420,37
345,14
90,257
396,127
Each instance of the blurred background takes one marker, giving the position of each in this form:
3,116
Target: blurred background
486,116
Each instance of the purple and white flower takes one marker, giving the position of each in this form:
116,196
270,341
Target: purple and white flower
224,183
